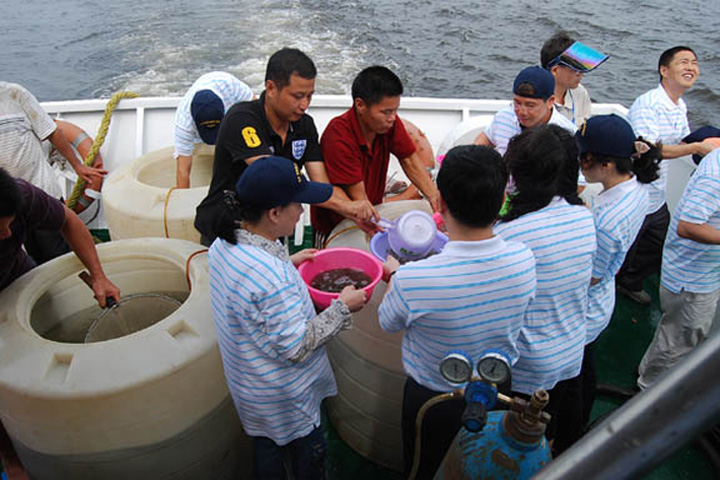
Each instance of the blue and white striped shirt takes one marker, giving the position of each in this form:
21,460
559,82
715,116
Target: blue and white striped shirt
506,125
472,296
689,265
552,339
619,213
260,308
655,117
224,85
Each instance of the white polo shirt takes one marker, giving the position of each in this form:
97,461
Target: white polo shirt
619,213
472,296
655,117
551,343
224,85
689,265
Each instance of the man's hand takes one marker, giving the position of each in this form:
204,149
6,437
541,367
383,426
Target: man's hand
708,145
104,288
354,299
360,210
89,173
303,255
389,267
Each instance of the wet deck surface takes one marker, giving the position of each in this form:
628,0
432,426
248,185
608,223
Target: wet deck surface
618,352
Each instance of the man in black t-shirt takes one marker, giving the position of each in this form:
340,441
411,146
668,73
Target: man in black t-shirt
25,208
274,124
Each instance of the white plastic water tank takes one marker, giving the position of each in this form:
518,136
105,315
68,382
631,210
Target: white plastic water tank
153,404
367,362
138,201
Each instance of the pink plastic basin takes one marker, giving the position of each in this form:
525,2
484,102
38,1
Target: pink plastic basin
340,257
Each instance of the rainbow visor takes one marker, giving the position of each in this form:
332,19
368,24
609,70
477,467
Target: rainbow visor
580,58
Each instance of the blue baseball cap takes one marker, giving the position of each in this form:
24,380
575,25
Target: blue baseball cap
541,80
207,110
608,135
274,181
698,136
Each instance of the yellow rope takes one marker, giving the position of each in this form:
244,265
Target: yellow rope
99,140
165,211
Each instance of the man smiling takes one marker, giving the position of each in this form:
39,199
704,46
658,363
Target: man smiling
660,115
533,105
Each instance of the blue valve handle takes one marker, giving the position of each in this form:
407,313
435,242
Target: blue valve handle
479,398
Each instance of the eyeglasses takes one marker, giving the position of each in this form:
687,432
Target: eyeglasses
579,57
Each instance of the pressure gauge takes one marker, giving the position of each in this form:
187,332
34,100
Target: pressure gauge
456,367
493,367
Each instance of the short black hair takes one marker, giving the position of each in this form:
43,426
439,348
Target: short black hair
374,83
286,62
667,56
11,200
536,159
568,183
472,181
554,46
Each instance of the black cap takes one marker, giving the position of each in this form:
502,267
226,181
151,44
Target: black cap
207,110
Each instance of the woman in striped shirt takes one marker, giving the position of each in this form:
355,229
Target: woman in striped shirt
562,239
608,155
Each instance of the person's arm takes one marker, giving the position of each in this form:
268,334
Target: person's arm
482,139
416,173
358,210
697,148
81,242
182,171
393,312
701,233
59,141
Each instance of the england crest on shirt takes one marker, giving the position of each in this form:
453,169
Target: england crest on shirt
298,148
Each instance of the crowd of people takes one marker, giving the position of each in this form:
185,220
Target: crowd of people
530,270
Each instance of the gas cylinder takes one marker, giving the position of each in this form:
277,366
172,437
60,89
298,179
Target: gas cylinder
512,445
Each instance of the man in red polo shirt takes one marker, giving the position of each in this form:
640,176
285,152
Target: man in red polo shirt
356,146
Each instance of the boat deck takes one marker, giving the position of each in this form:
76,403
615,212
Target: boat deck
618,352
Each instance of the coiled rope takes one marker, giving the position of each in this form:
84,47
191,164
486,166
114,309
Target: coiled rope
97,143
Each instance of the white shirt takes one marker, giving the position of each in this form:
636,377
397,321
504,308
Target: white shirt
576,105
224,85
655,117
472,296
552,339
23,126
689,265
619,213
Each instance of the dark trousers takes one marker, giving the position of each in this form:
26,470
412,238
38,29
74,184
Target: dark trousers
44,245
440,425
645,254
588,382
307,456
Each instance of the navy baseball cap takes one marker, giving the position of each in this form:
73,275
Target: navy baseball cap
274,181
607,135
207,110
698,136
541,80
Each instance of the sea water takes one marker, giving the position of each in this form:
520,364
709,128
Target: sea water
456,48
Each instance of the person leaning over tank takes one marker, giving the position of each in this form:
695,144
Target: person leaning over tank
198,116
572,100
24,208
274,124
356,146
270,337
441,303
